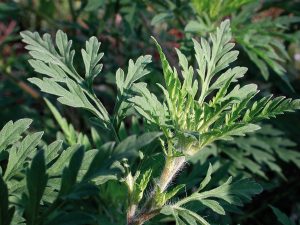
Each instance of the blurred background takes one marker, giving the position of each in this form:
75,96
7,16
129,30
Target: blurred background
266,33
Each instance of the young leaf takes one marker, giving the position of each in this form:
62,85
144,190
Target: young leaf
139,187
91,58
195,122
42,48
125,84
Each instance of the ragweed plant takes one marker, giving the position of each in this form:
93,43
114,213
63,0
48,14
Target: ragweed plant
205,107
47,184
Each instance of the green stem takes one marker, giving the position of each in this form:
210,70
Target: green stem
116,110
170,170
144,217
114,132
103,112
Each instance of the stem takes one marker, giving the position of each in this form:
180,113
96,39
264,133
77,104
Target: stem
171,169
131,213
103,112
142,218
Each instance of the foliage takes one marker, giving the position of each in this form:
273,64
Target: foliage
232,193
281,217
217,9
263,149
130,151
262,38
256,154
188,119
47,184
229,112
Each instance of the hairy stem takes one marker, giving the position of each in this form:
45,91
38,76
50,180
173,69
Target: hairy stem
131,213
142,218
170,170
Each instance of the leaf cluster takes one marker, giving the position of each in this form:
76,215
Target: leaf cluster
262,38
208,105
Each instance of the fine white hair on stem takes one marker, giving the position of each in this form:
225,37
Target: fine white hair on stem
170,171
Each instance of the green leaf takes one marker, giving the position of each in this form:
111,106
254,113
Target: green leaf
132,144
53,71
200,26
36,180
56,62
150,107
161,198
267,108
281,217
68,129
214,205
125,84
96,138
262,40
140,187
261,152
189,216
136,70
73,97
11,132
96,171
91,58
207,178
72,136
43,49
227,132
70,173
160,17
57,167
174,191
6,213
234,193
229,113
52,151
19,153
93,5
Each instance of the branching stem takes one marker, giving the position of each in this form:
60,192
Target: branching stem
172,166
